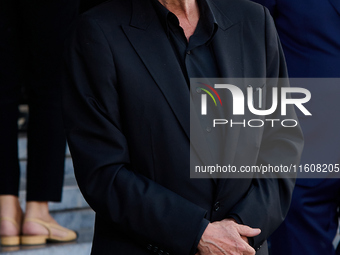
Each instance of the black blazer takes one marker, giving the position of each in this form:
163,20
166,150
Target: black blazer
126,107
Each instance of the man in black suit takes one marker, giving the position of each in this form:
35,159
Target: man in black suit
126,107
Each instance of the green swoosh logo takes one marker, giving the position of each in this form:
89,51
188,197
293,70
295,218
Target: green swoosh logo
209,95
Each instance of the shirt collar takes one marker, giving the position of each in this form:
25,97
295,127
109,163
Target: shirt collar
207,17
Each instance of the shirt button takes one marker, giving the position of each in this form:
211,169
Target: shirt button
198,90
208,129
149,247
188,52
216,206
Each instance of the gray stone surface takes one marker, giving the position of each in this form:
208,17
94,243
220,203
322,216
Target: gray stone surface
75,219
52,249
22,144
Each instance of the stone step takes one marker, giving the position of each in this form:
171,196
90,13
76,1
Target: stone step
76,220
77,248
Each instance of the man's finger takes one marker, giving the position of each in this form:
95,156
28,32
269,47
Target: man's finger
248,249
248,231
245,239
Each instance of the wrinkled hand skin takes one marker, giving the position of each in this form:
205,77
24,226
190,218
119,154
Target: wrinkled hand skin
226,237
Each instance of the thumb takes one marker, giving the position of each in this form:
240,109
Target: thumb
248,231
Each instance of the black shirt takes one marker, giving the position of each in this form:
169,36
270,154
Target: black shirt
196,57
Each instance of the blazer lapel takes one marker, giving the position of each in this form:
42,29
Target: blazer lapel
227,45
150,41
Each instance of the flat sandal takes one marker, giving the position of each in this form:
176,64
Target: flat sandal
42,239
10,240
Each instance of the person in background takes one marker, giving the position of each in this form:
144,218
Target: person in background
310,34
31,45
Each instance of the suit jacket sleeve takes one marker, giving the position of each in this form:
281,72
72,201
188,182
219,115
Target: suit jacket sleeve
267,202
100,152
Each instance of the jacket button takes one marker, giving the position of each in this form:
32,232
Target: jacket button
198,90
216,206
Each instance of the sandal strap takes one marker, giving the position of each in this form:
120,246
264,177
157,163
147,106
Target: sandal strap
10,220
47,225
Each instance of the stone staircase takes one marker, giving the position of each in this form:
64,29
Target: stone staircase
73,212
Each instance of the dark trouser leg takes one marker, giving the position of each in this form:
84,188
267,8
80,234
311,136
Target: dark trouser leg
10,59
9,165
47,24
